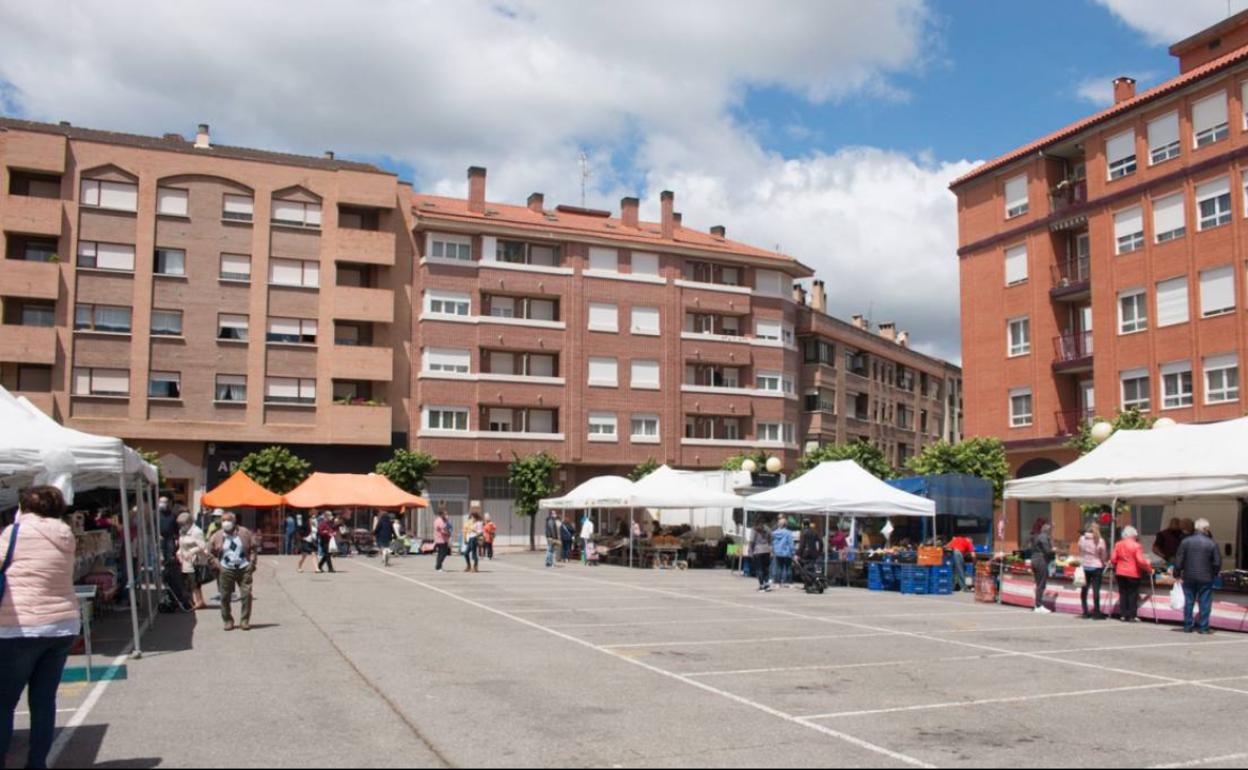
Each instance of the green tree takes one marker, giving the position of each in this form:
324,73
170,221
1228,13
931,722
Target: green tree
735,462
533,478
407,470
644,469
1132,419
276,468
982,457
864,453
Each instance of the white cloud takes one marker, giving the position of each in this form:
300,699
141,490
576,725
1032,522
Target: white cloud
1099,91
1164,22
522,86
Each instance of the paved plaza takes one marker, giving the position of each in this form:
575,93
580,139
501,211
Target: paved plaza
609,667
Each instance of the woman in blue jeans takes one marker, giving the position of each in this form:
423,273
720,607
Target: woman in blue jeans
39,619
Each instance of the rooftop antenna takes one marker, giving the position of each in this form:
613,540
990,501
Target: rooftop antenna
586,173
870,313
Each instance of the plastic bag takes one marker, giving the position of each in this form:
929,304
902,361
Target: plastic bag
1081,577
1178,599
333,546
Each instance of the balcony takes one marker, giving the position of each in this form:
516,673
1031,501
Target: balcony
369,247
1069,423
1073,352
30,280
1069,194
360,425
30,215
1072,280
350,362
352,304
28,344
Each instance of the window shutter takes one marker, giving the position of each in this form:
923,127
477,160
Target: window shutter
82,382
604,317
1228,361
769,282
645,373
90,195
541,421
171,202
235,265
1168,214
489,248
646,320
1163,131
281,388
1128,222
606,260
312,274
287,211
1214,189
768,330
603,371
448,358
1172,302
114,256
1016,193
1015,265
118,195
1120,147
1209,113
1217,290
285,272
110,381
284,327
239,205
645,263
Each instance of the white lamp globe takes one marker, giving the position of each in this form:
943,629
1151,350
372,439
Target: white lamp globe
774,465
1165,423
1102,431
749,466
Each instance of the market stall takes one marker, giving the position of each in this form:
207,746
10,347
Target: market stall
353,492
239,491
1172,464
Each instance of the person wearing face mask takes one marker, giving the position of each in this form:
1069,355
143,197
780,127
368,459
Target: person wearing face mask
192,553
234,551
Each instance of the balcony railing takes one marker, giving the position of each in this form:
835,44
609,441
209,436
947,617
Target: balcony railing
1068,194
1069,423
1072,275
1072,348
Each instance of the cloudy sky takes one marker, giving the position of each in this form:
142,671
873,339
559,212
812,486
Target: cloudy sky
828,128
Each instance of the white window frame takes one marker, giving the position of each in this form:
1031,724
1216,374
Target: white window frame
443,242
1217,291
173,377
166,272
229,382
309,273
1226,367
90,250
305,388
769,283
310,216
1145,403
457,417
603,380
1139,302
640,429
1017,265
172,202
1022,419
308,328
1168,288
1127,239
1121,165
1019,344
769,330
93,310
597,317
89,375
1016,205
603,426
1165,229
238,208
233,321
1218,192
638,368
1183,394
448,360
94,193
171,314
236,276
1163,148
1214,132
641,326
437,303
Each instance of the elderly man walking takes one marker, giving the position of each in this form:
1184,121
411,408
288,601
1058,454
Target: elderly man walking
234,552
1198,563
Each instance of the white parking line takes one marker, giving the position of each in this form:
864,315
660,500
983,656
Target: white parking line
860,743
649,608
83,711
730,621
721,642
1199,762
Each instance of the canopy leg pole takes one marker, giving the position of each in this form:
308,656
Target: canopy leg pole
1113,540
134,604
827,532
157,587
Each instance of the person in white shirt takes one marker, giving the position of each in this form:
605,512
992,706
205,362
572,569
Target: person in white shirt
587,539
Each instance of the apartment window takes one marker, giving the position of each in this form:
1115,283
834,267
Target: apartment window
101,382
446,418
166,385
1016,197
604,372
772,331
235,267
645,263
730,276
645,428
455,247
773,382
1177,390
1169,219
232,327
292,331
602,425
171,202
1015,265
1163,138
501,420
604,317
1213,203
644,374
171,262
604,260
231,388
106,256
770,283
1020,337
238,208
1120,153
1137,390
820,352
646,321
1172,305
775,432
166,323
1209,121
102,318
521,253
117,196
297,214
289,390
294,272
448,360
1217,291
1221,379
33,314
447,303
1021,412
1129,230
1132,311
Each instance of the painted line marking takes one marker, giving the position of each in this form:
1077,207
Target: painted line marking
83,711
1206,761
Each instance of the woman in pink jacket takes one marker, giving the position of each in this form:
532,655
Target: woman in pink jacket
39,619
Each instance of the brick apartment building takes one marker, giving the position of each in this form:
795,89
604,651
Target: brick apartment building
1103,266
182,295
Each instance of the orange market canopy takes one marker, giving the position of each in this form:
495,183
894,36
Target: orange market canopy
239,491
350,490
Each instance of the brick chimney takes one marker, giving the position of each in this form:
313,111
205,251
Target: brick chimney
719,231
677,219
476,189
818,297
1124,89
859,322
888,331
903,339
667,199
537,202
628,212
799,294
329,155
202,137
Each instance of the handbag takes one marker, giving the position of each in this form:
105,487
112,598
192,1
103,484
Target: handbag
1081,577
8,559
204,575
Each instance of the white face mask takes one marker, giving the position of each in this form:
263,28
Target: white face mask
228,526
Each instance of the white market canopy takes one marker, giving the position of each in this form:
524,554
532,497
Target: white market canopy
841,488
600,492
668,488
1184,461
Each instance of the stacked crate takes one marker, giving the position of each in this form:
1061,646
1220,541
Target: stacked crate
882,576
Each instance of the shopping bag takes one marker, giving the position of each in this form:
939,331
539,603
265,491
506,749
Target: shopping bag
1178,599
333,546
1081,577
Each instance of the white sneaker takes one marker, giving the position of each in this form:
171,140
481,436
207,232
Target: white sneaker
1043,611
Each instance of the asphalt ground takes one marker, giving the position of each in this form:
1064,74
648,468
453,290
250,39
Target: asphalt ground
524,666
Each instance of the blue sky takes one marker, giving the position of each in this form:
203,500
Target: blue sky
829,128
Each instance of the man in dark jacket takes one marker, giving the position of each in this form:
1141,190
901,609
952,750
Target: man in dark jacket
810,545
1198,563
552,538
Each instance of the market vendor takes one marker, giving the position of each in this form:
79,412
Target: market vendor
963,552
1168,540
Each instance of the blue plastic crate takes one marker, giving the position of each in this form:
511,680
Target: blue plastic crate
916,589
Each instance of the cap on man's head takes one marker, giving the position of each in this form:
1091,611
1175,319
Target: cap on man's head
218,513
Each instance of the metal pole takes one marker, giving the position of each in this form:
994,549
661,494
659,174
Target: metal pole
125,523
